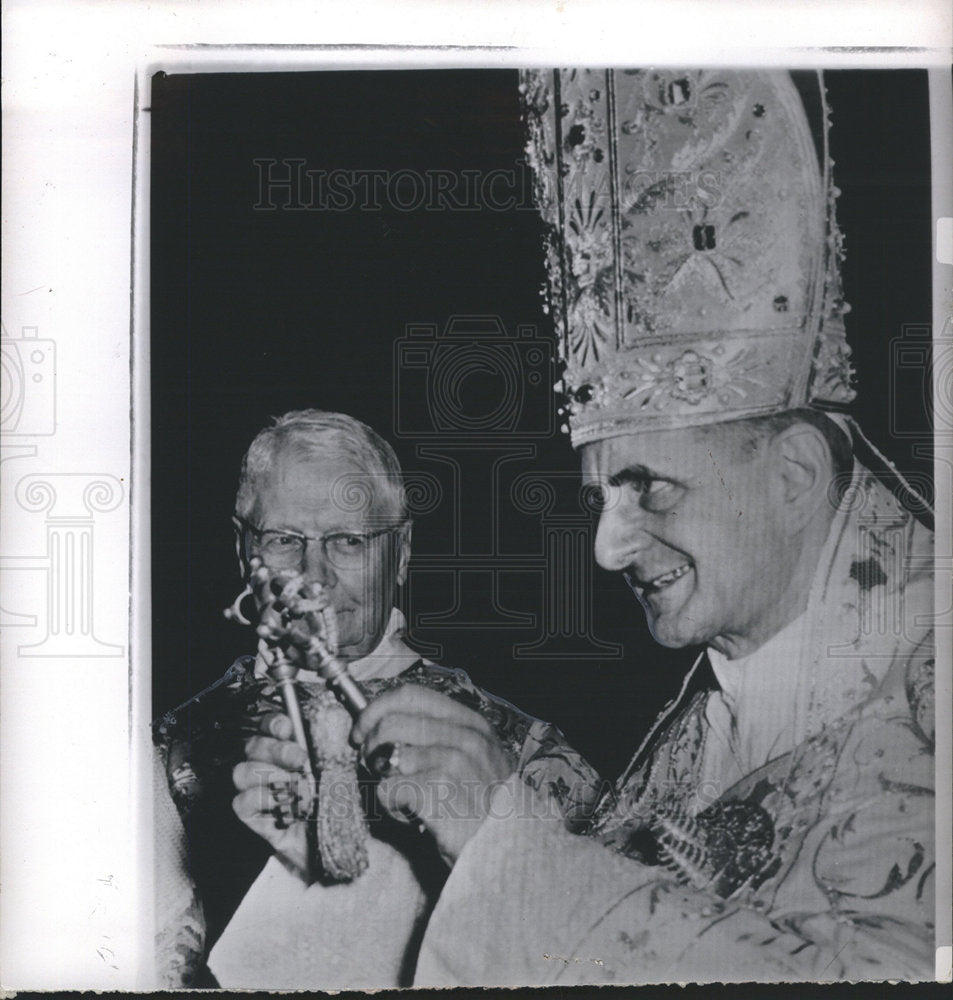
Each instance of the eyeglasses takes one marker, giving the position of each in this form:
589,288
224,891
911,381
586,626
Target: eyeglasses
286,549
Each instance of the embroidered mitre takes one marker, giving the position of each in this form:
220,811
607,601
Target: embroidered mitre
693,256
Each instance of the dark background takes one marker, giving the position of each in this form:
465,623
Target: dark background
255,313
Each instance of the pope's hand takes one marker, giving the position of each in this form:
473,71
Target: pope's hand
273,793
438,762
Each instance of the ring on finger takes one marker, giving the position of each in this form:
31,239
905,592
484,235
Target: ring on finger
283,817
287,800
384,762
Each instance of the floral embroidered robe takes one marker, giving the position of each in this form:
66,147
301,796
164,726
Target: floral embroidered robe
285,933
817,863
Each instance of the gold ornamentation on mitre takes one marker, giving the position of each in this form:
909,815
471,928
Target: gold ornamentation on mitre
693,255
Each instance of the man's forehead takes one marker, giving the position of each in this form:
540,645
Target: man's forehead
659,452
320,469
325,482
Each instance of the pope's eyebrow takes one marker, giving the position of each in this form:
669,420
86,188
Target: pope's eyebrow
638,474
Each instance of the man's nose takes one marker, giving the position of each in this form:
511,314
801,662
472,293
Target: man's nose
620,536
316,567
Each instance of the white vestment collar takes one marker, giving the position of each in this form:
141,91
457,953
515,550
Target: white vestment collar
789,688
751,714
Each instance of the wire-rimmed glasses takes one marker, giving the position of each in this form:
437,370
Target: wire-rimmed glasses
279,548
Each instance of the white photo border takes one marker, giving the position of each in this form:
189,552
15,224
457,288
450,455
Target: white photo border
76,779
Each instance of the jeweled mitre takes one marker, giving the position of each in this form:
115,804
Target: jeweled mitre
693,256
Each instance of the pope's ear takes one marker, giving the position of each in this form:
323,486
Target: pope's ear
803,462
403,551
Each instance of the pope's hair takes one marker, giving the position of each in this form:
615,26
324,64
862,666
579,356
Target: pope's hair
748,436
307,434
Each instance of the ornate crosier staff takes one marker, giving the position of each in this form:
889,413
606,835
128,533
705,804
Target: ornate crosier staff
297,615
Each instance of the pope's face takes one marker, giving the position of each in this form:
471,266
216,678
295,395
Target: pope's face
697,529
303,496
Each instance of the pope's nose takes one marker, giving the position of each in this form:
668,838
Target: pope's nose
620,536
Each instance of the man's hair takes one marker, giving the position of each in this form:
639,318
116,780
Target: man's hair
304,434
748,435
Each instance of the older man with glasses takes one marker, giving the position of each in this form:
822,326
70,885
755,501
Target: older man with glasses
321,519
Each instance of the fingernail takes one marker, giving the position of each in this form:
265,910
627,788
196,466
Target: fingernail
292,755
